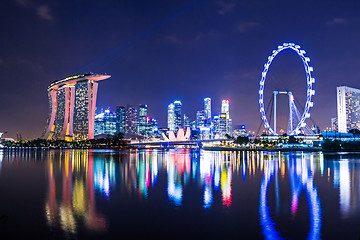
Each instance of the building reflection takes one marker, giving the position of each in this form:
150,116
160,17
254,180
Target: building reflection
77,179
73,178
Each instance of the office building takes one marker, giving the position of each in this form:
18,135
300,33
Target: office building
222,125
174,116
72,103
120,119
105,123
334,126
201,117
142,117
171,117
207,107
225,108
187,122
216,126
131,118
178,115
348,108
240,132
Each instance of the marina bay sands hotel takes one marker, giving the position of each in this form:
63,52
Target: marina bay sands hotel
72,103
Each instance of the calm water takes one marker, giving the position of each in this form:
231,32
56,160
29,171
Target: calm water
178,194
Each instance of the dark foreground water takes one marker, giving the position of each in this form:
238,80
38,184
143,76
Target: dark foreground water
178,194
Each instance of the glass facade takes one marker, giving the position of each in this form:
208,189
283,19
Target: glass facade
120,119
142,124
81,113
348,107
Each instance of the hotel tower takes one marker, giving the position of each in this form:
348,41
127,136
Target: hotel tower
72,103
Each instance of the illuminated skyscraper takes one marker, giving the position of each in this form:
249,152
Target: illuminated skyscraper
141,125
174,116
207,107
120,119
171,117
222,125
225,108
187,122
348,108
201,119
105,123
131,119
72,103
177,111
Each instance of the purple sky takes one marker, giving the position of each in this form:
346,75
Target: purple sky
161,51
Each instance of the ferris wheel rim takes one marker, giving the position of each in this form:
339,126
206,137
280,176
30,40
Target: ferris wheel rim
309,89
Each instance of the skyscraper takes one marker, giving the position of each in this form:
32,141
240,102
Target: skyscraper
105,123
131,119
171,117
120,119
187,122
141,126
174,116
177,111
348,108
222,125
201,117
225,108
207,107
72,103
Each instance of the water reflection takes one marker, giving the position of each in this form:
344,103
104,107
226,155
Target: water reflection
300,171
83,183
73,178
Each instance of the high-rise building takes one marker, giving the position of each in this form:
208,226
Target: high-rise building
174,116
216,128
131,119
207,107
201,117
105,123
142,124
120,119
348,108
171,117
225,108
222,125
72,103
178,115
187,122
334,126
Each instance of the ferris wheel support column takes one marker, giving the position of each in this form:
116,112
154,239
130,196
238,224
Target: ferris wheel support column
275,93
290,112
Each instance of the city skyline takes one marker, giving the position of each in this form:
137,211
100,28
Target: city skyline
160,52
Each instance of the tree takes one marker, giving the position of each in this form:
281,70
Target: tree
354,131
242,140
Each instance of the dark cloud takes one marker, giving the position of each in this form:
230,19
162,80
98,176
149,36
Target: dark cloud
336,21
246,26
226,7
44,12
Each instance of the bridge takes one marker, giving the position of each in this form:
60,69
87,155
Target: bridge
167,144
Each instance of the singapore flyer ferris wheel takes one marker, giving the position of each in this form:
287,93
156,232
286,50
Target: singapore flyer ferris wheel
296,123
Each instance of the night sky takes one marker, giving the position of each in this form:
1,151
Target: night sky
161,51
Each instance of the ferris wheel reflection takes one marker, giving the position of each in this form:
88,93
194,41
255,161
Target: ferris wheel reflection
301,179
